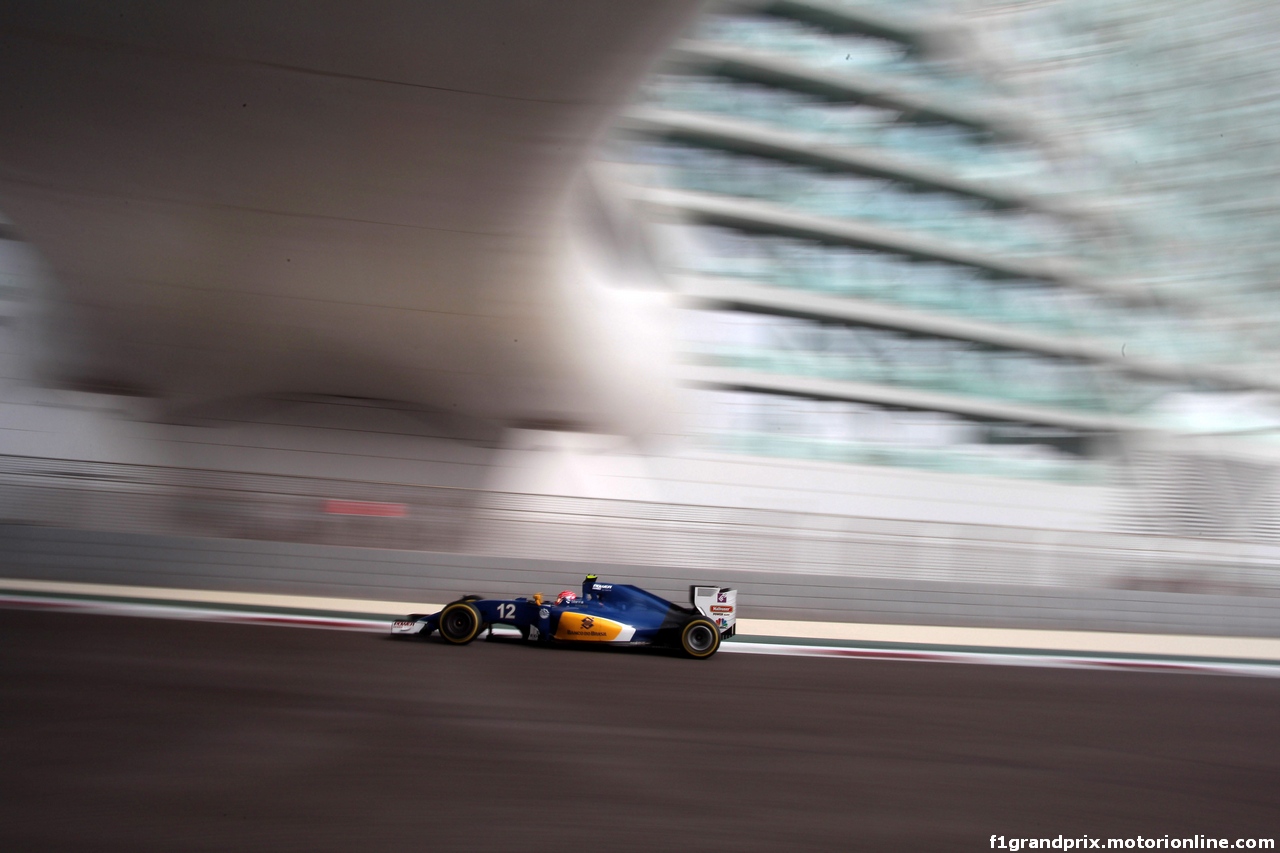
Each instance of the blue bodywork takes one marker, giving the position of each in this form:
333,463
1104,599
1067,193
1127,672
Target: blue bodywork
605,613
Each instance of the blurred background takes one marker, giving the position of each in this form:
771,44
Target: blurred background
912,311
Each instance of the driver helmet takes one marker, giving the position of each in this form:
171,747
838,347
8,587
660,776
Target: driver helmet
567,596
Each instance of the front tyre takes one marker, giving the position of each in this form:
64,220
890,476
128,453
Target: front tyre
699,638
460,623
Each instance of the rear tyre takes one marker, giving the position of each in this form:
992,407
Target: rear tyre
699,638
460,623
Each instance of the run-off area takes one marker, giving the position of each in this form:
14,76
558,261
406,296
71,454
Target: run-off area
144,734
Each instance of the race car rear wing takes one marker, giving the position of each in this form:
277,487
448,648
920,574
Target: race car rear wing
719,604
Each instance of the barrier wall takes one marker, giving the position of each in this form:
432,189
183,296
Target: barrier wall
63,554
183,502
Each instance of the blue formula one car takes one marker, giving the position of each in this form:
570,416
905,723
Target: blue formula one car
604,613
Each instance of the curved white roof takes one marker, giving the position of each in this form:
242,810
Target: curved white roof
367,199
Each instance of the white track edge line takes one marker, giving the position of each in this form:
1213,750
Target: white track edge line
996,658
1081,643
924,655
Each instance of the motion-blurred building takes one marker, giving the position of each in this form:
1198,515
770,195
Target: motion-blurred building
945,291
986,239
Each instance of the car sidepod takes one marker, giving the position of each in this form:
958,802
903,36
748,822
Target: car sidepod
590,626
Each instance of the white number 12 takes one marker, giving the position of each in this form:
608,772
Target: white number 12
506,611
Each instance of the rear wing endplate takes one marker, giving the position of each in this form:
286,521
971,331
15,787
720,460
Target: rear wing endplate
719,604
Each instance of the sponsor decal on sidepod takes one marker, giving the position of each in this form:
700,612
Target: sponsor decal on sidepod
579,626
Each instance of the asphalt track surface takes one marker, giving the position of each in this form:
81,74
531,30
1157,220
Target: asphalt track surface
143,734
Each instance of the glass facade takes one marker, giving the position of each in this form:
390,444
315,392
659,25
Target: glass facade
961,164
